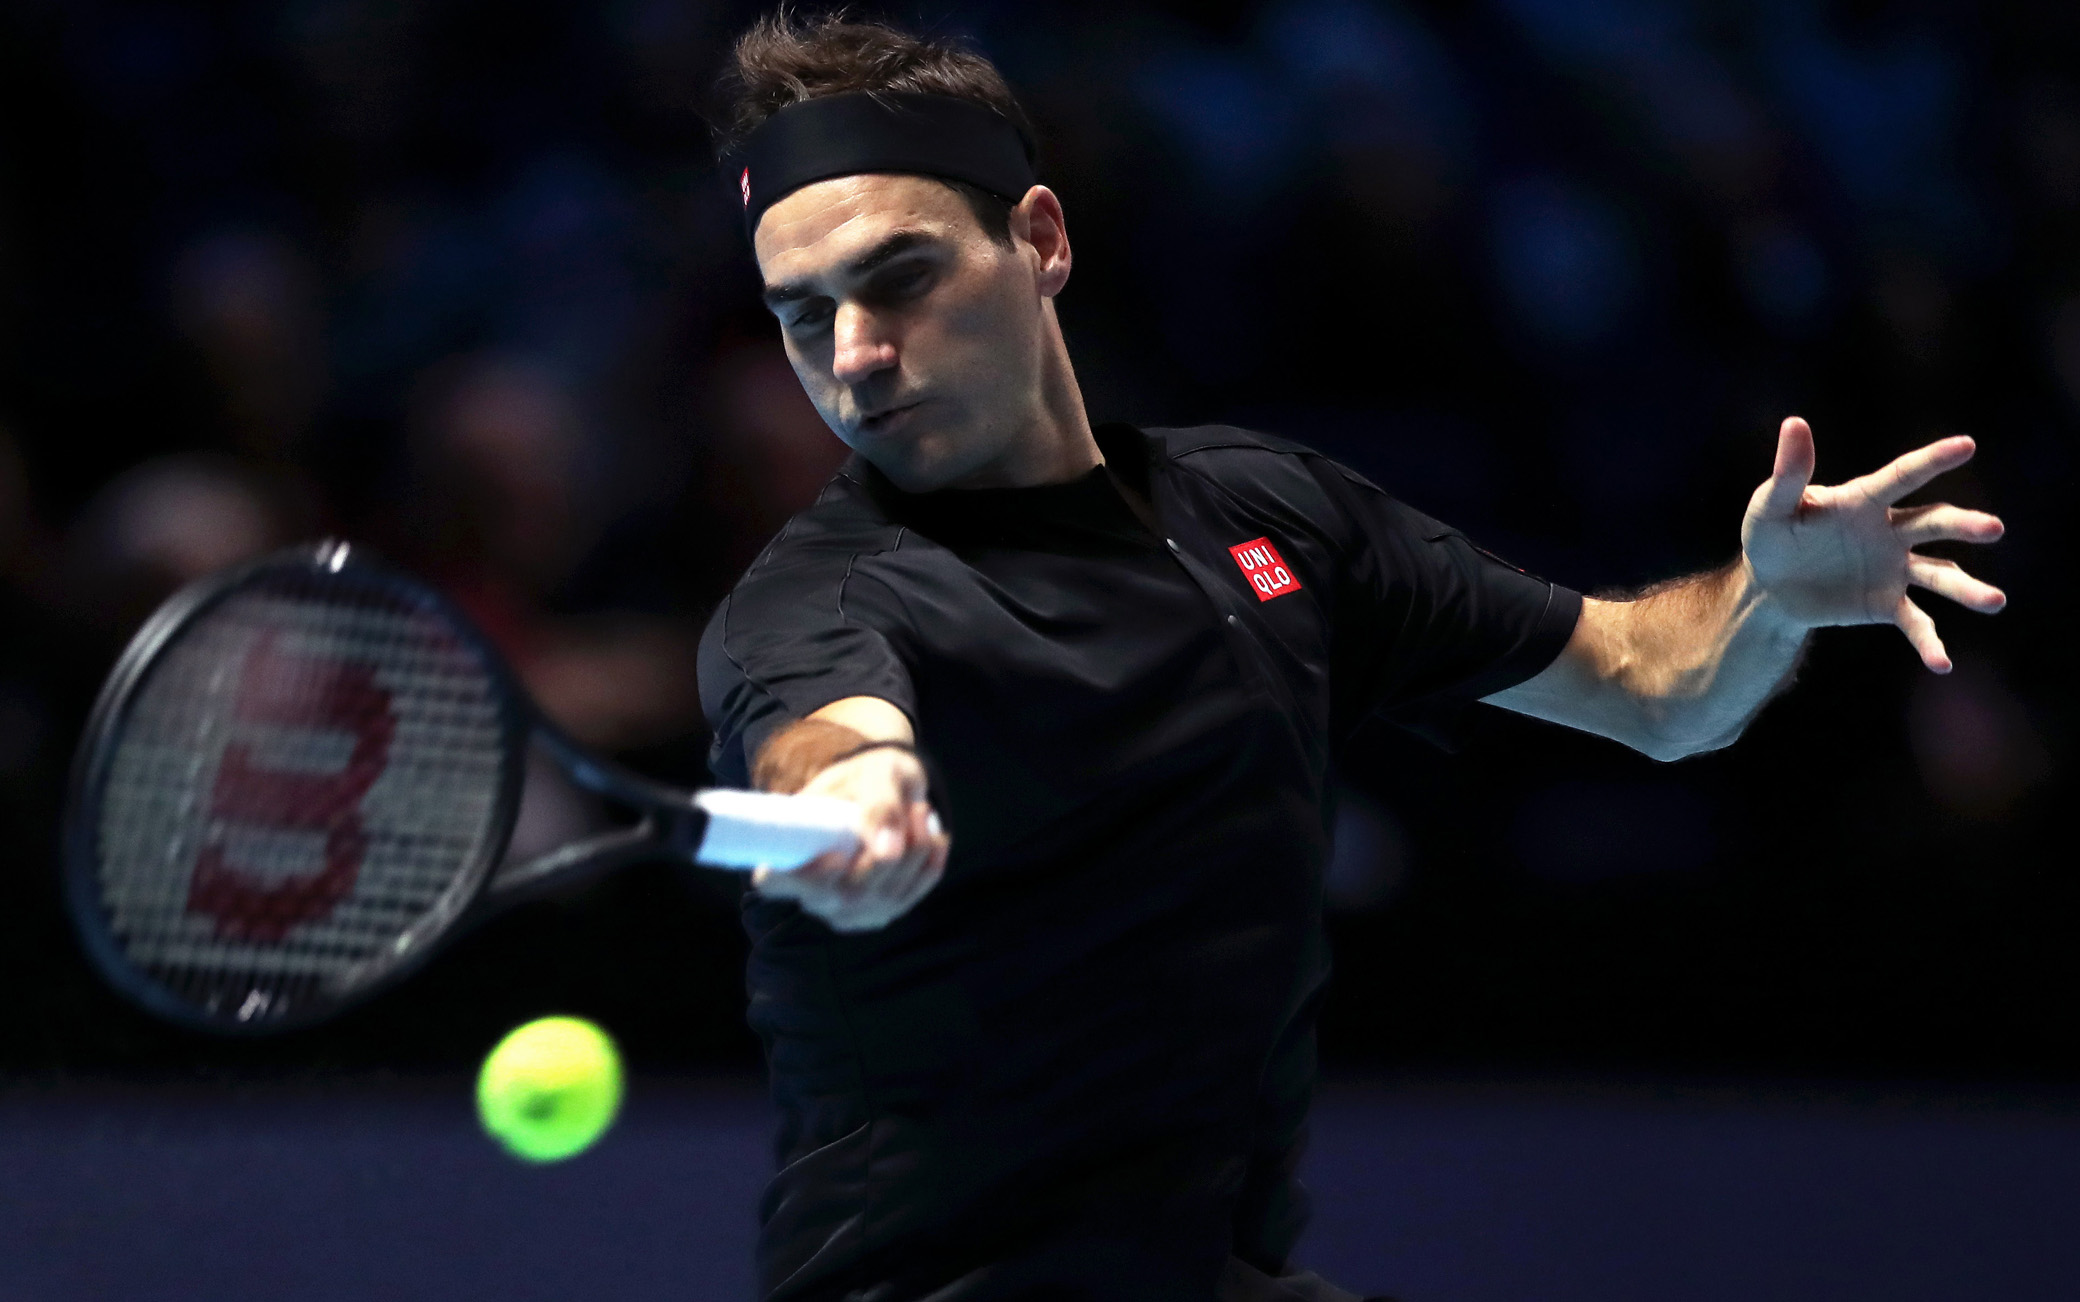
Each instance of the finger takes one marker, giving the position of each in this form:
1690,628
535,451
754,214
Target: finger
912,884
795,883
827,880
901,883
919,870
1942,522
936,843
884,888
941,846
1946,579
892,880
935,863
1921,633
1890,483
928,875
1794,466
857,883
835,888
883,846
841,888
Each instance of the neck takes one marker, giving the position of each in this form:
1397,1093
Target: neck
1056,445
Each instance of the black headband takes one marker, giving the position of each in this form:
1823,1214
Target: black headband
843,135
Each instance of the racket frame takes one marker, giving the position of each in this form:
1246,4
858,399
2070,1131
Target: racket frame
518,720
669,823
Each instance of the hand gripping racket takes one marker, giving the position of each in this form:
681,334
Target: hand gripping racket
299,781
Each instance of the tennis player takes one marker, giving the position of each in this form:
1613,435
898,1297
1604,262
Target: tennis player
1072,1060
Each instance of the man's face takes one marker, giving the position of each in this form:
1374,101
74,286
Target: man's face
919,339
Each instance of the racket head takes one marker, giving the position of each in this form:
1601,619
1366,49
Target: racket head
300,774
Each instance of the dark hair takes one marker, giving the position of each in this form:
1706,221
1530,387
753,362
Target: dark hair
786,58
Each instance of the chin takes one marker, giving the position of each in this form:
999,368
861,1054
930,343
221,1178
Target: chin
910,473
917,461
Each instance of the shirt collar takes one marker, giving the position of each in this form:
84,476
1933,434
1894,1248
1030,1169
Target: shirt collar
1090,502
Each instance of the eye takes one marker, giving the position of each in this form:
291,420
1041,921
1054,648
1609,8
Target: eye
812,316
904,283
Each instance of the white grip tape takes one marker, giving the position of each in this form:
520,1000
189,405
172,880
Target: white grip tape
763,829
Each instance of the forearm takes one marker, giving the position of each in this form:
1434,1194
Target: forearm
1678,669
1694,660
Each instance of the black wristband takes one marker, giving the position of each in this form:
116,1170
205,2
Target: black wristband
887,744
931,776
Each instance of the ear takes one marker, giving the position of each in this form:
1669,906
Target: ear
1038,221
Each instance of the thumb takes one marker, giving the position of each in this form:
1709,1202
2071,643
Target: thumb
1793,469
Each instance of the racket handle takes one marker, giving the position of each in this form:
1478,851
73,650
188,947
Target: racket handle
763,829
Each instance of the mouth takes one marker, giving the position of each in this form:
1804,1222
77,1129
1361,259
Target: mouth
887,418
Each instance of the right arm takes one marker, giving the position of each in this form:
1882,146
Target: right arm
902,850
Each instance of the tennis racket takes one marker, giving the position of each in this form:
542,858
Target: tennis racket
298,784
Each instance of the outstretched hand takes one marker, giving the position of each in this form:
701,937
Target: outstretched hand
1843,553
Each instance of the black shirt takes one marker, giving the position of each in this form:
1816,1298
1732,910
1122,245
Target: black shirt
1081,1066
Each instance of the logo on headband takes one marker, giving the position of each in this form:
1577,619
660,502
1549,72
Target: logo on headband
744,184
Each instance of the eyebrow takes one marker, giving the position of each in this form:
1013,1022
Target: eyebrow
895,246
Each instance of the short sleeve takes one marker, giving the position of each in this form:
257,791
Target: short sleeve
788,641
1428,622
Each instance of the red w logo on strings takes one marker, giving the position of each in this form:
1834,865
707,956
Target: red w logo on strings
1268,574
299,692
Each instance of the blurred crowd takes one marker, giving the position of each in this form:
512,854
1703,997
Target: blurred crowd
458,280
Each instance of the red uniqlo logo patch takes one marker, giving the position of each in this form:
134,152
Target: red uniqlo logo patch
1265,569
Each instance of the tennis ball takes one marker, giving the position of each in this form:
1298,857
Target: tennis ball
550,1088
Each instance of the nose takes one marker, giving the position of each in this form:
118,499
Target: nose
860,346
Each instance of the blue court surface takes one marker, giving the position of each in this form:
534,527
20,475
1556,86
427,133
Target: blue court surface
1436,1191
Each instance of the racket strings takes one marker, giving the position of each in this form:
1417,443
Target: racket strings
301,783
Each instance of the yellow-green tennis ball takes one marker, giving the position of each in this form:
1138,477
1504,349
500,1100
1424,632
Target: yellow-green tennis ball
550,1088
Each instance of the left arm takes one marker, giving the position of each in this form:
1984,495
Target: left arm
1684,667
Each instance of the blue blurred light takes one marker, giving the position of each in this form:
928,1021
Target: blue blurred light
1404,83
1238,127
1566,262
1595,31
1784,274
1653,52
1882,117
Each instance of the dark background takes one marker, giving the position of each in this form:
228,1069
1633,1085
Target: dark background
458,279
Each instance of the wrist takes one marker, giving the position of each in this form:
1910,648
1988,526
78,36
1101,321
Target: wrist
902,763
1768,608
800,751
886,743
880,766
